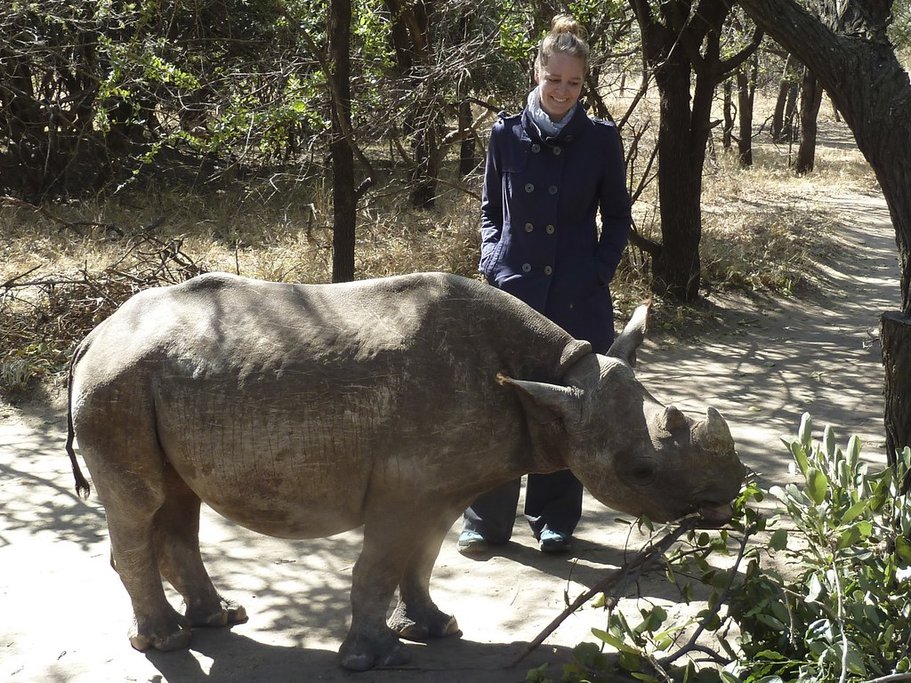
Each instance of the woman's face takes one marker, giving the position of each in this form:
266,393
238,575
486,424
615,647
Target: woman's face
561,84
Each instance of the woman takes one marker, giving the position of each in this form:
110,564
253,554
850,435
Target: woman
549,171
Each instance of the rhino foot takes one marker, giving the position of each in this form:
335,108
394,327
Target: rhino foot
361,653
422,625
171,634
225,614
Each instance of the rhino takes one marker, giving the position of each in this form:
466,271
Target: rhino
301,411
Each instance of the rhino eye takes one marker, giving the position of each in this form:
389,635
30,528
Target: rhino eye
643,472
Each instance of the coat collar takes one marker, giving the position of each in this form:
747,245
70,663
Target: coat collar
572,131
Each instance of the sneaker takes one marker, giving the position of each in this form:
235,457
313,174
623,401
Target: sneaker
472,543
554,541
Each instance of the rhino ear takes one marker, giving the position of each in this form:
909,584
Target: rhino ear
626,343
546,402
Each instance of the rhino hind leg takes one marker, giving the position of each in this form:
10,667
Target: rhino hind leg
176,529
156,625
416,616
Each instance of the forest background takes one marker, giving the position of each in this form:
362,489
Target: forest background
144,142
340,140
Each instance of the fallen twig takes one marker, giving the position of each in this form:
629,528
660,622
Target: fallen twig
616,582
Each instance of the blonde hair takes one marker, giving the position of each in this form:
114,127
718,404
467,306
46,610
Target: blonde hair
566,36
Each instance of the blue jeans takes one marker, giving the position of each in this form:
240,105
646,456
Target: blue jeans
552,500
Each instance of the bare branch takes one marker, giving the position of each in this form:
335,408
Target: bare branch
616,582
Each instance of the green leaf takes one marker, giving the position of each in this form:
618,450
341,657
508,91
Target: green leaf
614,641
855,445
779,540
771,622
770,654
903,548
828,438
805,431
848,537
799,453
814,589
817,485
855,661
855,510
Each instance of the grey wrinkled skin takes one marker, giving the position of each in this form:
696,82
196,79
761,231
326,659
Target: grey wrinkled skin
301,411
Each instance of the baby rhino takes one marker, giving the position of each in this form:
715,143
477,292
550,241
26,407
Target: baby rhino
301,411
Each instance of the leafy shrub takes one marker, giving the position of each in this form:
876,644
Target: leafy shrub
817,593
847,602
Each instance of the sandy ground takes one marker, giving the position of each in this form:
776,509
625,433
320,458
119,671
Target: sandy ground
64,614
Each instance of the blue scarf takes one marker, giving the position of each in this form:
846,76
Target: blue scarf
540,118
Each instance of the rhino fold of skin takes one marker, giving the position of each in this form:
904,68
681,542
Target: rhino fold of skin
301,411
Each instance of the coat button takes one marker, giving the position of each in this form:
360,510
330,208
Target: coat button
552,189
526,267
529,188
529,227
558,151
536,148
548,270
550,229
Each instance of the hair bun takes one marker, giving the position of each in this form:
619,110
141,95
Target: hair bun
564,23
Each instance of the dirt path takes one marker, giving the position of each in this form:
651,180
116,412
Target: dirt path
64,615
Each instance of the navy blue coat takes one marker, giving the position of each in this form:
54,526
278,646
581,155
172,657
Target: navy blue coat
539,239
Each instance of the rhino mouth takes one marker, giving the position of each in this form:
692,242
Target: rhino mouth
714,515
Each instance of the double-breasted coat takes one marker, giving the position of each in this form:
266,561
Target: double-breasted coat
539,236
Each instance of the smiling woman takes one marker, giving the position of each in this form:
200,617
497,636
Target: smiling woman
550,172
560,68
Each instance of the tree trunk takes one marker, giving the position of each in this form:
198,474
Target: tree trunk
784,84
810,99
896,341
729,113
746,89
428,157
681,155
343,190
423,121
467,159
871,90
788,133
672,50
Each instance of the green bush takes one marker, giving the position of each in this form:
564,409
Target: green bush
816,593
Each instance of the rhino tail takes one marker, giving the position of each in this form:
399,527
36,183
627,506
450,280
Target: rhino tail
82,485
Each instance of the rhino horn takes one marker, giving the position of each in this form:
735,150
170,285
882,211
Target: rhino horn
713,433
626,343
546,402
671,419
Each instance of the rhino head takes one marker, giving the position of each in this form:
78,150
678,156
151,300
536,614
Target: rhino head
630,451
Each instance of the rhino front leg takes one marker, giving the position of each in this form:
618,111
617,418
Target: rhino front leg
416,616
387,547
176,528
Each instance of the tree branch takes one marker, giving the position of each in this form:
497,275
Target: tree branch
616,582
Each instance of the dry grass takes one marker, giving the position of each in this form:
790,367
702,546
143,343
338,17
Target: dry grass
763,228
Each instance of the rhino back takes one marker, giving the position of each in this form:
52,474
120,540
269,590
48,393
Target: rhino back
267,394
